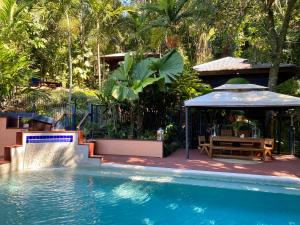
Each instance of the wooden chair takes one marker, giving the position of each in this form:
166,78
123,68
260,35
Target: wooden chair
268,147
202,145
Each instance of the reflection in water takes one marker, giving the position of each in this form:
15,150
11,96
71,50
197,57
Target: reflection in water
137,193
69,196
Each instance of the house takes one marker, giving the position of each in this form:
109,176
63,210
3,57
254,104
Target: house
113,60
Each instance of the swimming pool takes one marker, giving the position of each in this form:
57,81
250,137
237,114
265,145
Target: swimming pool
83,196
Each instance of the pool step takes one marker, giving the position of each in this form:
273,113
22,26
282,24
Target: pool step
90,144
97,157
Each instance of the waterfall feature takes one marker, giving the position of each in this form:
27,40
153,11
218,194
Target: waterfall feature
49,151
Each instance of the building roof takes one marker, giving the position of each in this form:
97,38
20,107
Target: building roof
31,116
231,63
121,55
114,55
244,95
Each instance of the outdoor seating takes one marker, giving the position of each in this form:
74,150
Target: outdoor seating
202,145
268,147
240,107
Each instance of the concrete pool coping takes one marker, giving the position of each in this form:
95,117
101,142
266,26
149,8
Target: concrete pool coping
238,181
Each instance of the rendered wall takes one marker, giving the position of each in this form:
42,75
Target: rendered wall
129,147
7,135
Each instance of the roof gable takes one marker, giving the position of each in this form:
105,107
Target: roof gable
232,63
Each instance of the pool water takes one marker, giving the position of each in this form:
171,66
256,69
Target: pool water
67,196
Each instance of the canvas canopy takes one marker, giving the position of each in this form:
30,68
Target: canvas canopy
243,95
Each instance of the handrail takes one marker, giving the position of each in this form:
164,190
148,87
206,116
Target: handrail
81,121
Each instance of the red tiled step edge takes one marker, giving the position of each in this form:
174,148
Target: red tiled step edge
81,141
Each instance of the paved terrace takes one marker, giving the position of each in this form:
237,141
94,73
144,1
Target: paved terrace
284,165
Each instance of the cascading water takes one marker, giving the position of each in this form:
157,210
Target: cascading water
53,154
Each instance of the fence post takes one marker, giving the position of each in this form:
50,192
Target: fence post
90,109
74,115
187,151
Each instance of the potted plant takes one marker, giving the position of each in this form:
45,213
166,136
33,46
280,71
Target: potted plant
25,122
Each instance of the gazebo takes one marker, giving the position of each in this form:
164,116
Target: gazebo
240,96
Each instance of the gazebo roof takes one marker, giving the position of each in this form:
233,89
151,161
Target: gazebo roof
231,64
240,87
243,95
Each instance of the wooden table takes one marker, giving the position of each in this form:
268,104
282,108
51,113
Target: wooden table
230,146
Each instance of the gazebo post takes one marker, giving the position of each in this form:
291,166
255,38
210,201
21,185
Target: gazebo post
187,151
279,132
292,135
200,123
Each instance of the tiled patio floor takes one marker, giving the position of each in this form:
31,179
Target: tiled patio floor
284,165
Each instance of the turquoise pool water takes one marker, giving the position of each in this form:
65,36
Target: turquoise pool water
66,196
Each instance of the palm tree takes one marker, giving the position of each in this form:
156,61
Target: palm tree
66,7
12,20
103,13
10,12
169,15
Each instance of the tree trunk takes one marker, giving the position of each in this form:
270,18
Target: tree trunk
132,120
273,73
277,37
70,60
98,58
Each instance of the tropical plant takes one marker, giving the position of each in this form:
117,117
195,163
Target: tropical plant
11,12
131,78
188,86
127,82
104,14
169,16
15,72
237,80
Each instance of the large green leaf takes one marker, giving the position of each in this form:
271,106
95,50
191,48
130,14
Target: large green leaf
118,74
170,66
122,72
127,64
139,86
121,93
142,69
